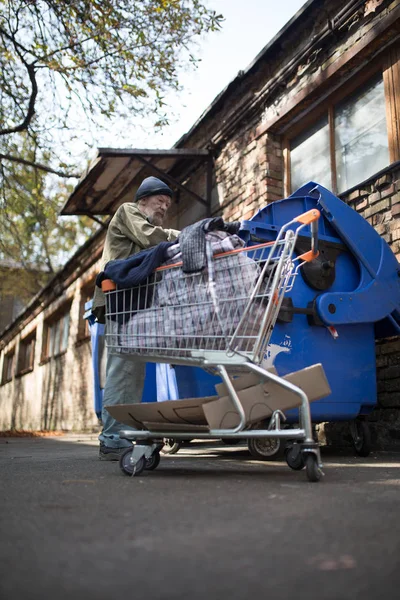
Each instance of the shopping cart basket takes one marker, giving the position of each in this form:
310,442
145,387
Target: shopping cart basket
220,318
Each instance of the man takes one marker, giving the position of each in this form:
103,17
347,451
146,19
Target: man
135,226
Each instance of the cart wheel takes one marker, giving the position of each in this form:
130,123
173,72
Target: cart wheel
294,457
264,448
171,446
153,462
313,471
361,435
126,466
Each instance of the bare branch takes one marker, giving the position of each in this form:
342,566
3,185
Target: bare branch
34,91
29,163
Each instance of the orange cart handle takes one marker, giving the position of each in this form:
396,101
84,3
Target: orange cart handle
108,285
309,217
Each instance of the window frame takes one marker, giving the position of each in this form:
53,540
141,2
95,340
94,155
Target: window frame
389,67
86,294
7,355
56,318
22,369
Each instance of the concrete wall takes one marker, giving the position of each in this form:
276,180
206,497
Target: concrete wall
58,393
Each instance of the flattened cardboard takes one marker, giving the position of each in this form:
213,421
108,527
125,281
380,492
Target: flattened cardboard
260,401
242,382
175,427
186,412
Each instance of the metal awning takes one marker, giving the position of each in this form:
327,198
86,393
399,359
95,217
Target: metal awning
115,174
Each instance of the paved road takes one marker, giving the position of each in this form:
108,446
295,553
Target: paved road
208,524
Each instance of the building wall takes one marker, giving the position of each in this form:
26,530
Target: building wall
57,394
334,44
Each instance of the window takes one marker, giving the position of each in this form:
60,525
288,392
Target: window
26,354
361,138
346,145
55,334
87,292
309,156
8,366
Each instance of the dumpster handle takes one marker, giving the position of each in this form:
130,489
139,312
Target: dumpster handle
310,218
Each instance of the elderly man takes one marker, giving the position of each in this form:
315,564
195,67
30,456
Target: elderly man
135,226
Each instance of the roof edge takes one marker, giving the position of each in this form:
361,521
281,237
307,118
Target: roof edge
243,74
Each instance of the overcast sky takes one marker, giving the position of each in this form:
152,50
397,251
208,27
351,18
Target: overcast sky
249,25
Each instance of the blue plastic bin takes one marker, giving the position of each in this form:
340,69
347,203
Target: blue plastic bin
353,286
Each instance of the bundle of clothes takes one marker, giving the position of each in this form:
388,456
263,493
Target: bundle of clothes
198,304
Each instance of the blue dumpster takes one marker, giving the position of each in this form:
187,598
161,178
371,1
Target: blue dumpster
340,303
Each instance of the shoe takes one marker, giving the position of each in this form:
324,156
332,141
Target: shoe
106,453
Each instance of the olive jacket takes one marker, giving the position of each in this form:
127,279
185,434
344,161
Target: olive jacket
129,232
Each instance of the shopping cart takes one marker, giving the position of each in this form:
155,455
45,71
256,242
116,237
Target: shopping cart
220,319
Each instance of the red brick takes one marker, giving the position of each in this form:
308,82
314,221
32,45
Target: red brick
383,181
389,191
396,210
362,205
374,197
353,195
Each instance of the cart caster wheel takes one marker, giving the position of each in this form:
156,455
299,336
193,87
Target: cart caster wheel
171,447
153,462
313,471
361,435
294,457
264,448
126,466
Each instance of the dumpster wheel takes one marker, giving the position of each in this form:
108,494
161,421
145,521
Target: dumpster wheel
264,448
361,434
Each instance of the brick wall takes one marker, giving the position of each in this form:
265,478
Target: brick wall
379,203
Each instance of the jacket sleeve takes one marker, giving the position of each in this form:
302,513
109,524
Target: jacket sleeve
136,228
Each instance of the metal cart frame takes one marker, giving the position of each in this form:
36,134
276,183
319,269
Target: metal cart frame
238,348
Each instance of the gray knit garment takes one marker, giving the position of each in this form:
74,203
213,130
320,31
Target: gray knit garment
192,241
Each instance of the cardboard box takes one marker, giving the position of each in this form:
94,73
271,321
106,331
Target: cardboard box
187,412
243,382
259,401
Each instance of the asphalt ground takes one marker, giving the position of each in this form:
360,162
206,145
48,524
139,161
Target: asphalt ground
209,523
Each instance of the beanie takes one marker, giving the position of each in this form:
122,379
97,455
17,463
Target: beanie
151,186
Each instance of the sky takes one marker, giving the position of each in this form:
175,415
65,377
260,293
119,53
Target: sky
249,25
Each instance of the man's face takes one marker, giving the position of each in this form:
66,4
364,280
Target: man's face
156,208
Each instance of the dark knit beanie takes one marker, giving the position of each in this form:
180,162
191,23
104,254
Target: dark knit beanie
151,186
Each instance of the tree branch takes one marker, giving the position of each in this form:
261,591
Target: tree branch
29,163
31,107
